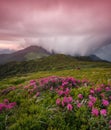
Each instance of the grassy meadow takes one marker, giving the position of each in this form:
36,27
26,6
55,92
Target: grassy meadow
56,96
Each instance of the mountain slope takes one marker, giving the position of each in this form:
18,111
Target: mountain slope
50,63
28,53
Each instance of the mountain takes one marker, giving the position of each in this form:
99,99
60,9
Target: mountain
52,62
104,52
90,58
29,53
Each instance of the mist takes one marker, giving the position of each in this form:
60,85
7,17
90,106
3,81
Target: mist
72,27
73,45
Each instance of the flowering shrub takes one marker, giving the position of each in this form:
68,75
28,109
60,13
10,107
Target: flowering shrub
6,105
75,104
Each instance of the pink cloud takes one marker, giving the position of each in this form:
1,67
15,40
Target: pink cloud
82,23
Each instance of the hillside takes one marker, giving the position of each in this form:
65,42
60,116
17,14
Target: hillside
29,53
53,62
39,100
74,91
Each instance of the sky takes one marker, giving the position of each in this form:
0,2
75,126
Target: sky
76,27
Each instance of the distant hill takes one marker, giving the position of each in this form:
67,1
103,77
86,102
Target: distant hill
29,53
50,63
89,58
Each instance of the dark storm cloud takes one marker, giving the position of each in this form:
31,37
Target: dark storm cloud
67,26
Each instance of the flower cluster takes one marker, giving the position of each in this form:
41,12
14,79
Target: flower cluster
6,105
97,101
54,83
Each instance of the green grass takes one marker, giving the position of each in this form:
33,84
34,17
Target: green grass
42,113
96,75
51,63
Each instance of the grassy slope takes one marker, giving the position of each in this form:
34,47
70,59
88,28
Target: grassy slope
30,115
51,63
96,75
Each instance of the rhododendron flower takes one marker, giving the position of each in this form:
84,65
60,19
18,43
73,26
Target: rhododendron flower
80,96
103,112
67,91
64,84
92,91
65,100
105,102
95,112
58,101
37,94
79,105
69,107
6,101
98,89
90,104
102,95
60,92
63,104
51,88
93,99
2,106
107,89
70,99
11,105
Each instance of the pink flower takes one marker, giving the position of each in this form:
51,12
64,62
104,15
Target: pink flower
63,104
103,112
107,89
105,102
2,107
37,94
93,99
91,91
69,107
11,105
90,104
98,89
95,112
80,96
60,92
70,99
51,88
67,91
102,95
6,101
58,101
65,100
79,105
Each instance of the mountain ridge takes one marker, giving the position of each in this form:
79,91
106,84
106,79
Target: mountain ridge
35,52
29,53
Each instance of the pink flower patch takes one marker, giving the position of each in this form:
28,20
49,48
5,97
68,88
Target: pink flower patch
103,112
80,96
69,107
105,102
79,105
58,101
90,104
95,112
93,99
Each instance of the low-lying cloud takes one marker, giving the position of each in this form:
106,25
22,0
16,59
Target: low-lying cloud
65,26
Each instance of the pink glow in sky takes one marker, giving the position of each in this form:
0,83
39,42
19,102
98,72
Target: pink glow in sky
68,26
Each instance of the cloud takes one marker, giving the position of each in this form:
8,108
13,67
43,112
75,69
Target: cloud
66,26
